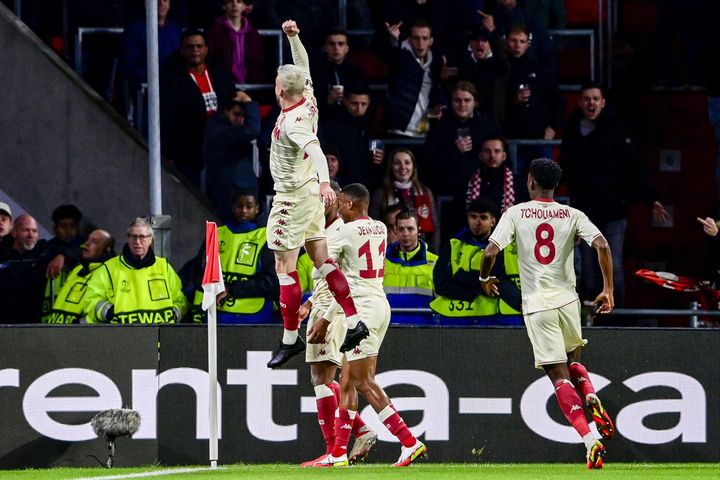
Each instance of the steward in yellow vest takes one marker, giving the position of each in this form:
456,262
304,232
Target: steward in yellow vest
67,242
69,306
136,286
461,299
408,280
248,268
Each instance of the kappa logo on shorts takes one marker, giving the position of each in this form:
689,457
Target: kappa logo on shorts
322,352
357,351
279,232
575,407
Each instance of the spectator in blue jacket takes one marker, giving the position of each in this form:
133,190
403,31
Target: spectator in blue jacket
228,151
134,51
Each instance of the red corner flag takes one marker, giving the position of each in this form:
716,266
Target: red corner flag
212,281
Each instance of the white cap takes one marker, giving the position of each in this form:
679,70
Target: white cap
4,207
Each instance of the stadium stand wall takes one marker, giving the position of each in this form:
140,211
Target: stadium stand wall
471,394
62,143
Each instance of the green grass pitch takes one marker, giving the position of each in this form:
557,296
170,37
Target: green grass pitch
624,471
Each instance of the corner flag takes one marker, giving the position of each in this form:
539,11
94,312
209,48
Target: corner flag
212,282
213,285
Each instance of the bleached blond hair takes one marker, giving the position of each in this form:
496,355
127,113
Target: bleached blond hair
292,79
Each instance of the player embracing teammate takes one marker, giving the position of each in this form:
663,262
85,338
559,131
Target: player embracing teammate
359,247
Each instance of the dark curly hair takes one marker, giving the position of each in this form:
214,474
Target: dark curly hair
546,173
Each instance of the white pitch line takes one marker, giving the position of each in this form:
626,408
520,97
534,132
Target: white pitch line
151,474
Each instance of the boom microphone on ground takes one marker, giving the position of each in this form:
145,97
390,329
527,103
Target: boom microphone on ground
114,423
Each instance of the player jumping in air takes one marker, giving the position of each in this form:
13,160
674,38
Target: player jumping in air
299,170
545,232
360,249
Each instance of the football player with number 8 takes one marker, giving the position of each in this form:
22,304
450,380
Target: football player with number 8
545,232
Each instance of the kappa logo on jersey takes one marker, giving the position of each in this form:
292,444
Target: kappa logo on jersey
284,212
277,243
286,204
357,351
279,232
298,119
346,426
322,352
575,407
282,222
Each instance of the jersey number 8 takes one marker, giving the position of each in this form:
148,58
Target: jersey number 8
544,235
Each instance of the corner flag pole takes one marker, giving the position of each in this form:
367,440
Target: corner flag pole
212,286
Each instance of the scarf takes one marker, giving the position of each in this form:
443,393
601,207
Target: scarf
475,185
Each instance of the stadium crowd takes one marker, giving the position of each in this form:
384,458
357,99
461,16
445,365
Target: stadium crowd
432,149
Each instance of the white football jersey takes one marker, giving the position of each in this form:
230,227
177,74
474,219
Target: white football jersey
295,128
360,252
545,232
321,296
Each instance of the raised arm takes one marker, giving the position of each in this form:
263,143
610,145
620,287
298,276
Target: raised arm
299,55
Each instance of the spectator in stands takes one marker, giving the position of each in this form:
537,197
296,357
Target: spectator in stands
134,45
248,267
402,186
333,74
533,104
236,45
451,152
23,266
494,178
461,299
135,286
67,239
191,90
350,128
66,226
408,280
550,14
414,83
507,15
391,213
5,225
408,12
485,65
603,175
332,153
69,306
229,153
